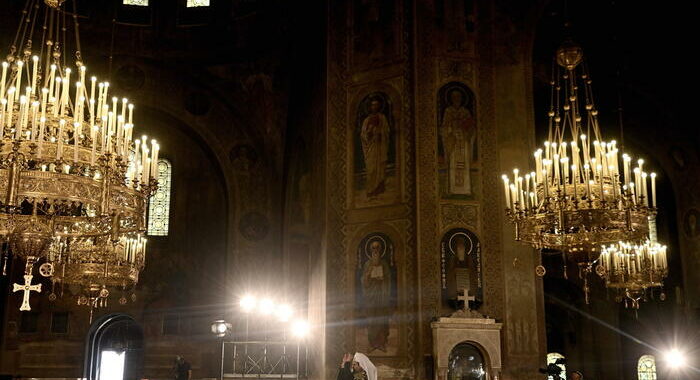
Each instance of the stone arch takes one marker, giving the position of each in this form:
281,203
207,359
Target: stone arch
489,349
468,345
222,127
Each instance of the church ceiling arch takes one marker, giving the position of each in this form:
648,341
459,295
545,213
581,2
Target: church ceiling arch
239,149
194,97
222,129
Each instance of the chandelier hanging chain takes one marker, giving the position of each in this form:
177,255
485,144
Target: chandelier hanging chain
57,39
64,30
21,28
78,54
43,38
111,46
34,15
553,99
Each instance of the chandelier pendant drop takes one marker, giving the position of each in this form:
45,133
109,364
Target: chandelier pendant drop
74,184
584,194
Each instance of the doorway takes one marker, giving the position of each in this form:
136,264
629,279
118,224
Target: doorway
114,349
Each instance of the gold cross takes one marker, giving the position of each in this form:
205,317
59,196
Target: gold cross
466,298
26,288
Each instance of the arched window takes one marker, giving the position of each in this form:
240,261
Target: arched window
552,358
159,207
646,368
138,3
197,3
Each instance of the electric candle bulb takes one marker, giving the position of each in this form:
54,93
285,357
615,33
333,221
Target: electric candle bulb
506,190
653,189
643,189
3,78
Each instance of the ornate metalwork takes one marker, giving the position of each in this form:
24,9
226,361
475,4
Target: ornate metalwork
583,193
74,185
631,269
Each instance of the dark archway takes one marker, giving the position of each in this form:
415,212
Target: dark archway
117,333
466,363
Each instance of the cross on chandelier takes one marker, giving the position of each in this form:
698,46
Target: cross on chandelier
27,289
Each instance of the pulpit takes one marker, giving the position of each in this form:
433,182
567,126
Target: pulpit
467,346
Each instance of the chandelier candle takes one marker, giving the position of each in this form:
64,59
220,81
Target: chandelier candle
73,182
71,116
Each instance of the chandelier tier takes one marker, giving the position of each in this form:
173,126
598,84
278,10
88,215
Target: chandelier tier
74,185
631,269
583,192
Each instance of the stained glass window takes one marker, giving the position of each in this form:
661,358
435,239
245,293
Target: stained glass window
138,3
159,207
197,3
552,357
646,368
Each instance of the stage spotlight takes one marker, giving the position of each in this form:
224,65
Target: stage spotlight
285,313
300,329
220,327
675,358
266,306
248,303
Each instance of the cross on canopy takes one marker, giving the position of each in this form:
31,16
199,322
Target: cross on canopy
26,288
465,297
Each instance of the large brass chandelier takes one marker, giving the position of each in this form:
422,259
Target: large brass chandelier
74,186
583,193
